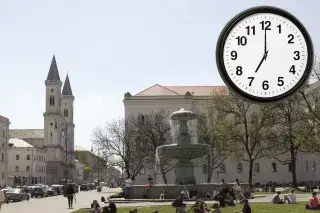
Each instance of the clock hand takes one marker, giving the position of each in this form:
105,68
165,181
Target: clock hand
265,41
263,59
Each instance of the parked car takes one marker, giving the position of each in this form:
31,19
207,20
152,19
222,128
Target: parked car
17,195
40,192
5,189
84,187
51,191
58,188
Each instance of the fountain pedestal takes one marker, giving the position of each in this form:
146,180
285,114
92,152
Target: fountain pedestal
183,150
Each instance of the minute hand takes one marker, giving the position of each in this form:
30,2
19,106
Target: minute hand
263,58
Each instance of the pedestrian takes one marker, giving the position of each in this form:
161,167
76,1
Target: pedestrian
70,192
2,198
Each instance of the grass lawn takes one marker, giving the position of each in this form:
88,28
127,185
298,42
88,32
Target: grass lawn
256,208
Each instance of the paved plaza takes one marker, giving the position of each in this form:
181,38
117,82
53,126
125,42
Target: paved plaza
58,204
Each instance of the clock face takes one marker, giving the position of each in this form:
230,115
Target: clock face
265,56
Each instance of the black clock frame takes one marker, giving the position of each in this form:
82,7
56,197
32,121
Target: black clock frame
222,40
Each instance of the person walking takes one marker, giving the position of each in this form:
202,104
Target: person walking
70,192
2,198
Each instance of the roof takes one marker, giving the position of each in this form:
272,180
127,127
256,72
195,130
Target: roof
26,133
19,143
159,90
53,74
4,120
67,87
79,148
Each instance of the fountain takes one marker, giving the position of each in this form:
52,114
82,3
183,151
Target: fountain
182,149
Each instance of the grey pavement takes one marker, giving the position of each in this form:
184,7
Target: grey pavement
56,204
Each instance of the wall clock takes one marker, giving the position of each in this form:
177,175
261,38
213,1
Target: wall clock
264,54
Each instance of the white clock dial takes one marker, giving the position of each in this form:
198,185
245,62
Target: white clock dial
265,55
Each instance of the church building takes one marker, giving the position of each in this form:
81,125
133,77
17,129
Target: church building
57,136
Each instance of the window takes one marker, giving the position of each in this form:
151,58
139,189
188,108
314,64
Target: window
55,124
204,169
141,119
290,167
2,157
17,169
142,171
28,157
27,168
65,112
51,101
239,168
274,167
307,166
3,144
222,168
3,133
17,157
314,166
2,175
257,167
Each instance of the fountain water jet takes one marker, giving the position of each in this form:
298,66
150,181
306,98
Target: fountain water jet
183,150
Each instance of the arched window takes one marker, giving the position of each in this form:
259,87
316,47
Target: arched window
28,157
17,169
65,112
204,169
257,167
27,168
274,167
17,157
222,168
239,168
51,101
142,171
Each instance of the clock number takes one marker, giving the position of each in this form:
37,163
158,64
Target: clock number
242,40
297,57
266,25
239,70
293,69
279,28
290,37
280,81
234,55
265,85
251,79
253,29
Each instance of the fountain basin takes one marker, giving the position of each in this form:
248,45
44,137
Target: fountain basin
179,152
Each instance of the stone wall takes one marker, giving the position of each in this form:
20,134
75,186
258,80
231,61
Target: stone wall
173,191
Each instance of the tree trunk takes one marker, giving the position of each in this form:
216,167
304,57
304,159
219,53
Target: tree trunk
209,171
250,172
163,174
293,169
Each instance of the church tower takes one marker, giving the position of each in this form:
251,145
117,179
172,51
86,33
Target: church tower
53,122
67,112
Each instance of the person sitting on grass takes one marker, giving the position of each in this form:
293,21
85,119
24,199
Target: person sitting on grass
179,204
246,207
215,208
95,207
162,194
134,210
208,195
111,208
290,198
313,202
199,206
276,198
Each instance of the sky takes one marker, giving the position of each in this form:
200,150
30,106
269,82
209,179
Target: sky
110,47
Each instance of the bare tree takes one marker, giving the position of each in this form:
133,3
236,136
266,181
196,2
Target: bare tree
153,131
117,142
211,130
295,132
252,138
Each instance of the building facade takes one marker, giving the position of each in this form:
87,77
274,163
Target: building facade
57,136
26,163
4,137
172,98
78,172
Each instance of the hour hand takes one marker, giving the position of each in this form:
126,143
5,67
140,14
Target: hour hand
263,59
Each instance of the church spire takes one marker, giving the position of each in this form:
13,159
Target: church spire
53,74
67,87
